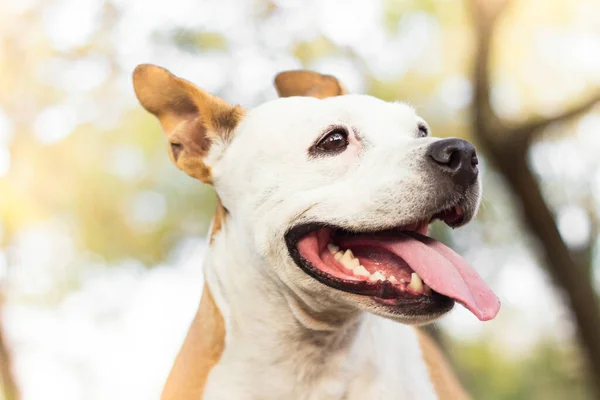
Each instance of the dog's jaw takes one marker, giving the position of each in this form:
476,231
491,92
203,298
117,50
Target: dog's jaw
301,344
275,346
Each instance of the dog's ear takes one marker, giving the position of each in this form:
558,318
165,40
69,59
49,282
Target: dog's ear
308,83
193,120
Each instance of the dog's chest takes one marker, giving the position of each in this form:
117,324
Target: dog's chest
383,362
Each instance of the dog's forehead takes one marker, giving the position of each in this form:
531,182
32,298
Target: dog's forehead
302,119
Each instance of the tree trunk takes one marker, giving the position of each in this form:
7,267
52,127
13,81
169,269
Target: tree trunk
507,148
9,386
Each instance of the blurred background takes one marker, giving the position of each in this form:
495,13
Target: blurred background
102,238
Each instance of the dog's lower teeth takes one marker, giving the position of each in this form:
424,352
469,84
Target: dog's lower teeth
332,248
377,276
348,260
360,271
416,283
347,257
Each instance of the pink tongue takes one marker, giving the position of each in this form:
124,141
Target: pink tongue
446,272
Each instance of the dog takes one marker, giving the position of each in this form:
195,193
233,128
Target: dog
319,267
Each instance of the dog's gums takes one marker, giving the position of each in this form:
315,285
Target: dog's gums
399,267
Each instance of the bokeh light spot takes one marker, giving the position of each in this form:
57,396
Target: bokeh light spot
55,123
574,226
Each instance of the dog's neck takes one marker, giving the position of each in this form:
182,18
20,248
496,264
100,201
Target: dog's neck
312,346
258,307
250,325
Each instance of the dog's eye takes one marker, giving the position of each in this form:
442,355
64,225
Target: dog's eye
335,140
422,130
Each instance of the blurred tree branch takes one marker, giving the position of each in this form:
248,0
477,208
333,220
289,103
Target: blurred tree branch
529,128
9,386
507,147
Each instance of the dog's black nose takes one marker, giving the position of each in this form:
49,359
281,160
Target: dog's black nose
456,157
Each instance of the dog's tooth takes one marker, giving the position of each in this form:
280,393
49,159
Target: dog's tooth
361,271
346,258
338,255
377,276
416,283
402,280
393,279
348,262
355,263
332,248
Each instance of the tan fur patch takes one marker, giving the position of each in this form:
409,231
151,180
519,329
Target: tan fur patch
444,381
309,84
204,342
218,219
201,350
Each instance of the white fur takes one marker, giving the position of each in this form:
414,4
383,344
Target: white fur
268,354
287,335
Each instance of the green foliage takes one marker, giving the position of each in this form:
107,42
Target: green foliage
194,41
312,50
546,372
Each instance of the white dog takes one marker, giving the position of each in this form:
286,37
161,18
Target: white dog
319,261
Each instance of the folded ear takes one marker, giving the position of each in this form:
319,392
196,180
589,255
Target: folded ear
194,121
308,83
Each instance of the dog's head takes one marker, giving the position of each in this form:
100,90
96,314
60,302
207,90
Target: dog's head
334,192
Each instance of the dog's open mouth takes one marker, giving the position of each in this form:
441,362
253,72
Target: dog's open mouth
396,267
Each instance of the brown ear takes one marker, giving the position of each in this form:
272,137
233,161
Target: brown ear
308,83
192,119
